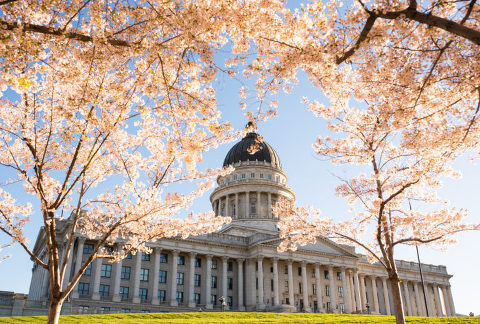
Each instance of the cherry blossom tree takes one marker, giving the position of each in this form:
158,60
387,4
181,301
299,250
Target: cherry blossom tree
117,95
392,175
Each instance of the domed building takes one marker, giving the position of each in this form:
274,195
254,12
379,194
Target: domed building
241,262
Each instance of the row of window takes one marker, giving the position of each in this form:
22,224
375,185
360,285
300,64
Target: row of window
252,176
326,273
314,288
83,289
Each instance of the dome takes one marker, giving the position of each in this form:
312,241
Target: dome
239,152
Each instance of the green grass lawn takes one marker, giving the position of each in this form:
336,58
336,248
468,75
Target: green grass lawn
232,317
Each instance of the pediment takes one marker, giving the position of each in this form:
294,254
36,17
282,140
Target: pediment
322,245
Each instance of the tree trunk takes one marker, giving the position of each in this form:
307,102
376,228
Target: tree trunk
54,310
397,299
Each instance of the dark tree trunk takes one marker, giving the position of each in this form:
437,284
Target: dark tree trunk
397,298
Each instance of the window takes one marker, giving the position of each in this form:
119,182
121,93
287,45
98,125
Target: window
88,270
83,309
342,308
83,288
106,271
340,291
313,273
229,266
252,175
329,307
243,175
142,293
253,208
214,264
161,294
213,282
129,255
327,290
325,273
87,248
213,299
125,310
180,278
229,283
180,297
108,249
104,290
286,285
235,177
124,292
163,258
145,256
256,283
300,287
277,179
229,301
196,280
144,311
299,271
339,276
162,276
314,288
104,310
269,177
261,175
285,271
125,274
198,263
181,260
271,285
196,298
143,274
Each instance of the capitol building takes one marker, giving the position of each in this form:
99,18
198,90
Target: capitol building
241,263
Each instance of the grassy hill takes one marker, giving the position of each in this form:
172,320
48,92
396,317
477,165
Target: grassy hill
231,317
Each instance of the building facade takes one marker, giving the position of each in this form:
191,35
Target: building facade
241,262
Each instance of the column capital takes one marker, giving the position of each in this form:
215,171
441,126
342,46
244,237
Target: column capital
192,254
260,258
240,260
275,259
81,239
304,263
225,258
290,261
175,251
209,256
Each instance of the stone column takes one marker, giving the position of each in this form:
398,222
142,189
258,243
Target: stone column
319,286
418,301
352,291
376,308
78,262
191,279
261,304
333,289
438,303
117,271
241,306
346,291
224,276
429,305
269,205
276,292
407,297
96,279
445,299
450,301
385,296
208,287
136,278
247,204
357,290
306,305
217,207
258,204
362,291
173,279
227,211
290,283
236,205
